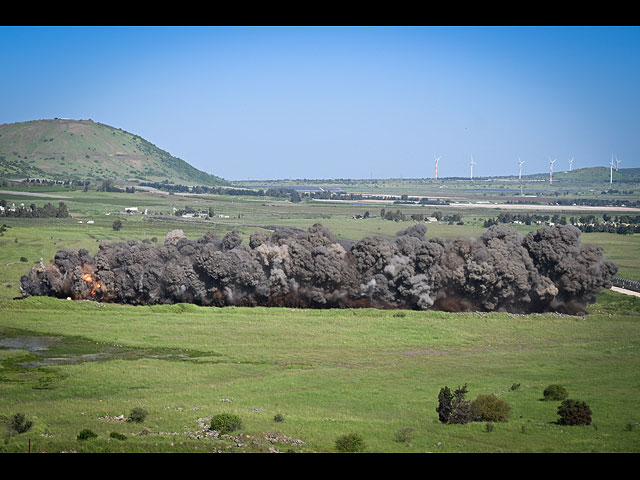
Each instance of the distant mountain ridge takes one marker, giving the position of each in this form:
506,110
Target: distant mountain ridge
64,149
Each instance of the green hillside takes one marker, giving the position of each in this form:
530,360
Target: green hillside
62,149
590,175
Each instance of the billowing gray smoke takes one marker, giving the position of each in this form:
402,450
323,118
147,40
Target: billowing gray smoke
546,270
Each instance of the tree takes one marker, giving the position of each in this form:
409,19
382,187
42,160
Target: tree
63,211
574,412
445,404
461,412
454,407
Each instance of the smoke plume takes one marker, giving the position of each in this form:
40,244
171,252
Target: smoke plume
545,270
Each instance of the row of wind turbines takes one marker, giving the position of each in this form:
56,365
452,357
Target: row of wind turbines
551,162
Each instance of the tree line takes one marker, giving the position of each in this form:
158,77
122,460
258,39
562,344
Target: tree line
32,211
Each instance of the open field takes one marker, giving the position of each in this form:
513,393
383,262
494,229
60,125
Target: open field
327,372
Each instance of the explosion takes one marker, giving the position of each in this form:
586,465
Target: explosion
545,270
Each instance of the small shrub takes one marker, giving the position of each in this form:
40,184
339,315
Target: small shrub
350,443
117,225
489,408
24,259
86,434
19,423
404,435
226,422
118,436
514,387
555,392
629,427
138,414
488,427
278,418
574,412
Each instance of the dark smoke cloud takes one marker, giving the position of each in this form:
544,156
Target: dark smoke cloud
546,270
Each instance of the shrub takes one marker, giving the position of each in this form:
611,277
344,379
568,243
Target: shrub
19,423
138,415
226,422
488,427
574,412
24,259
278,418
555,392
514,387
350,443
404,435
489,408
117,225
86,434
118,436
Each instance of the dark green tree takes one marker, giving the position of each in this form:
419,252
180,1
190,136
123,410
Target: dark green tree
445,404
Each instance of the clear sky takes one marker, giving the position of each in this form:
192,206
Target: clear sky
340,102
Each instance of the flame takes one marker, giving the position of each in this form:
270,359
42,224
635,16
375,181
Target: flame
87,278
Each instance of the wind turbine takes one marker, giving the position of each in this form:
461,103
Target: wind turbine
551,162
521,163
611,171
437,160
617,163
571,164
472,164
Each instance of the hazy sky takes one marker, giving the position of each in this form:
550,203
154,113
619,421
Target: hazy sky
340,102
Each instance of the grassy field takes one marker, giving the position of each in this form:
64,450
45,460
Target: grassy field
327,372
74,365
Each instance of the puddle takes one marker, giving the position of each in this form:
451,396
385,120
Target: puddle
30,344
51,350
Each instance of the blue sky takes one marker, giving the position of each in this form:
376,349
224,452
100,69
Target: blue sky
340,102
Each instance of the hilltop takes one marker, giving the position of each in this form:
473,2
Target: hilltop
63,149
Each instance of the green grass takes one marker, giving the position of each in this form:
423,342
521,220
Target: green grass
329,372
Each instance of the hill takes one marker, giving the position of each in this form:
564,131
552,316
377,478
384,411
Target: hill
590,175
62,149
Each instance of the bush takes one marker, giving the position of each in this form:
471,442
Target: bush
350,443
138,415
555,392
404,435
574,412
278,418
24,259
117,225
118,436
489,408
19,423
86,434
488,427
226,422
